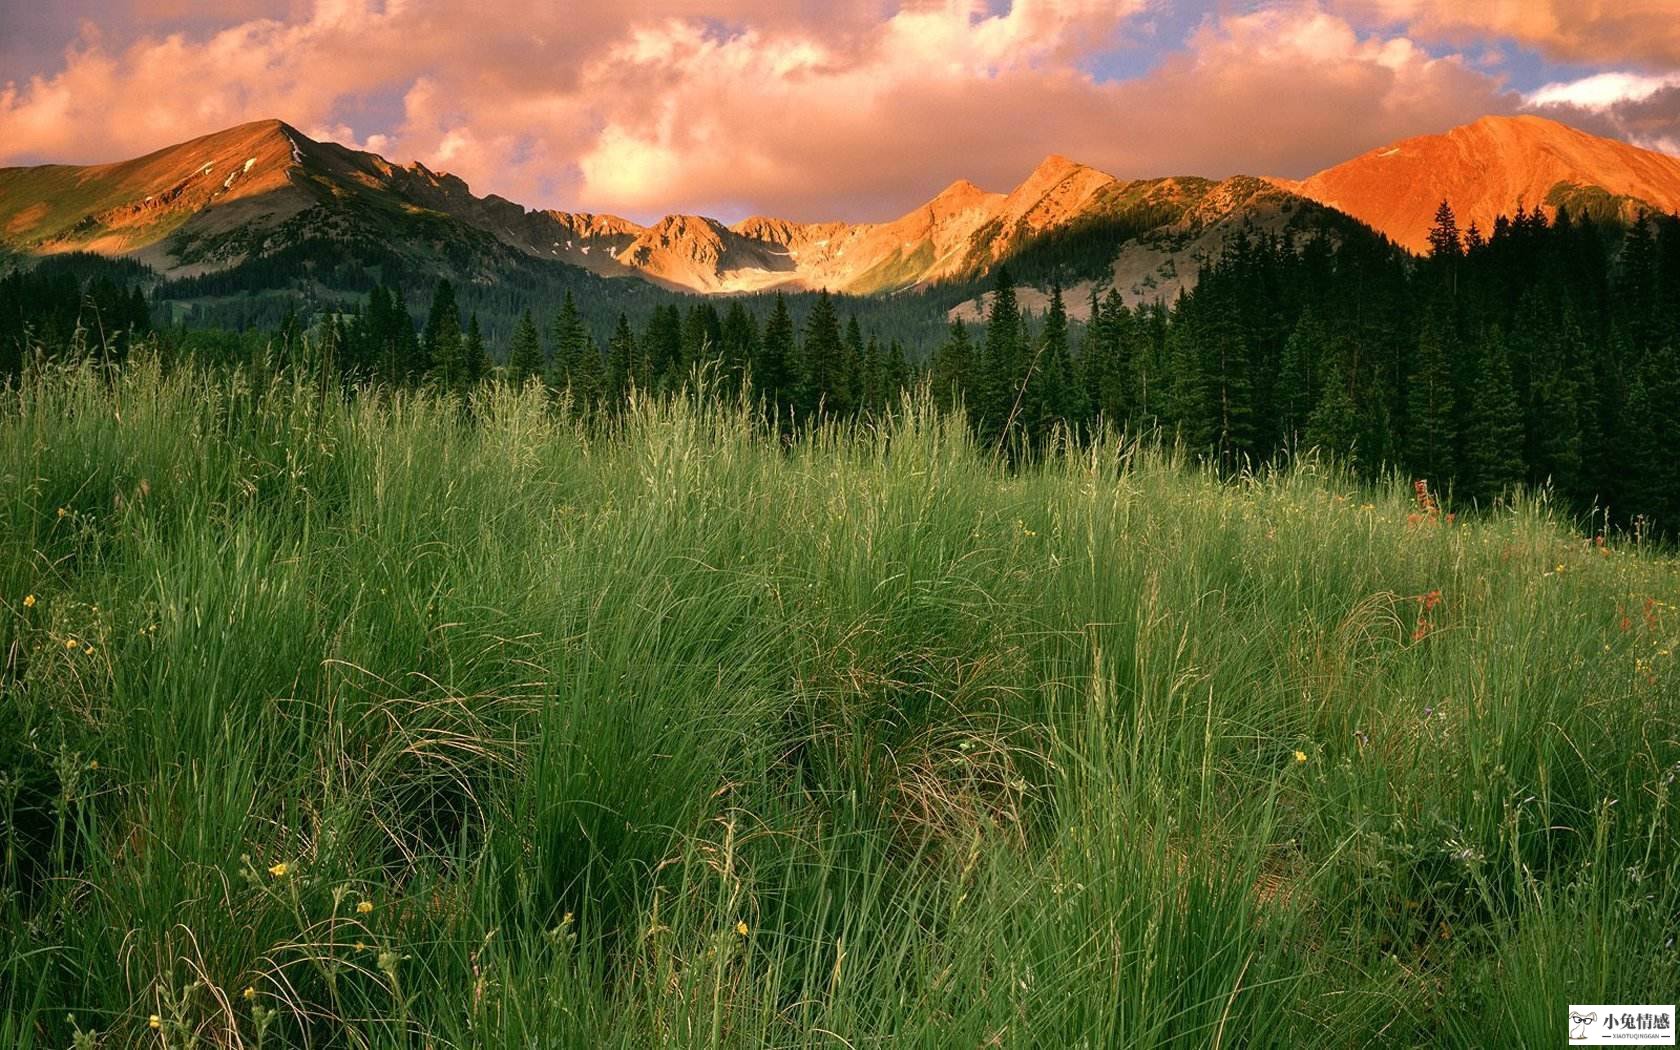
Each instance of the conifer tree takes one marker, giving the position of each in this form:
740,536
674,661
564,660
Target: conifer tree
850,380
1298,386
588,372
1553,441
952,366
1050,381
624,367
873,379
445,349
1492,458
1444,240
567,340
1003,364
404,357
1143,360
702,335
441,337
525,360
899,375
772,371
1121,395
819,356
1093,363
662,345
739,347
1229,386
479,364
1431,416
1654,463
1333,426
1185,404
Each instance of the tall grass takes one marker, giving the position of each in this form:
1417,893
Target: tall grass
396,722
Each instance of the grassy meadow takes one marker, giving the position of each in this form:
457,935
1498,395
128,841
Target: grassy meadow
391,722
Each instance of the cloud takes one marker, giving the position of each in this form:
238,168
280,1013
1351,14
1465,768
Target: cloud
1290,90
1642,108
1602,90
838,110
1644,32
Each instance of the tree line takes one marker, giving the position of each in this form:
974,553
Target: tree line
1540,352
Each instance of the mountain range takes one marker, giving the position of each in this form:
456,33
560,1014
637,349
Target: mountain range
228,199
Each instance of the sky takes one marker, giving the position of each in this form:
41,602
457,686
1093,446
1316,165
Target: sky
823,109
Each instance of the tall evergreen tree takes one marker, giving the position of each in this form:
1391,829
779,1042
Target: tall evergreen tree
773,370
441,336
1553,441
1229,386
525,360
953,366
1003,361
819,356
1299,386
1052,396
1493,443
1186,404
663,346
739,347
1333,425
1444,240
445,348
625,367
873,379
479,364
1431,406
1654,466
567,338
850,380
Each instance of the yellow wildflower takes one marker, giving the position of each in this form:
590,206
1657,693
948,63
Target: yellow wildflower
87,650
279,870
29,601
1560,566
249,993
361,946
71,643
364,907
153,1022
61,513
741,928
1300,757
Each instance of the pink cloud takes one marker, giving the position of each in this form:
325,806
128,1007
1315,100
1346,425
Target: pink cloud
810,111
1641,31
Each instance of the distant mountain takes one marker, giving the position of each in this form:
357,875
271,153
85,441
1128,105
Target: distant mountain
219,200
260,192
1151,234
248,225
1488,168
